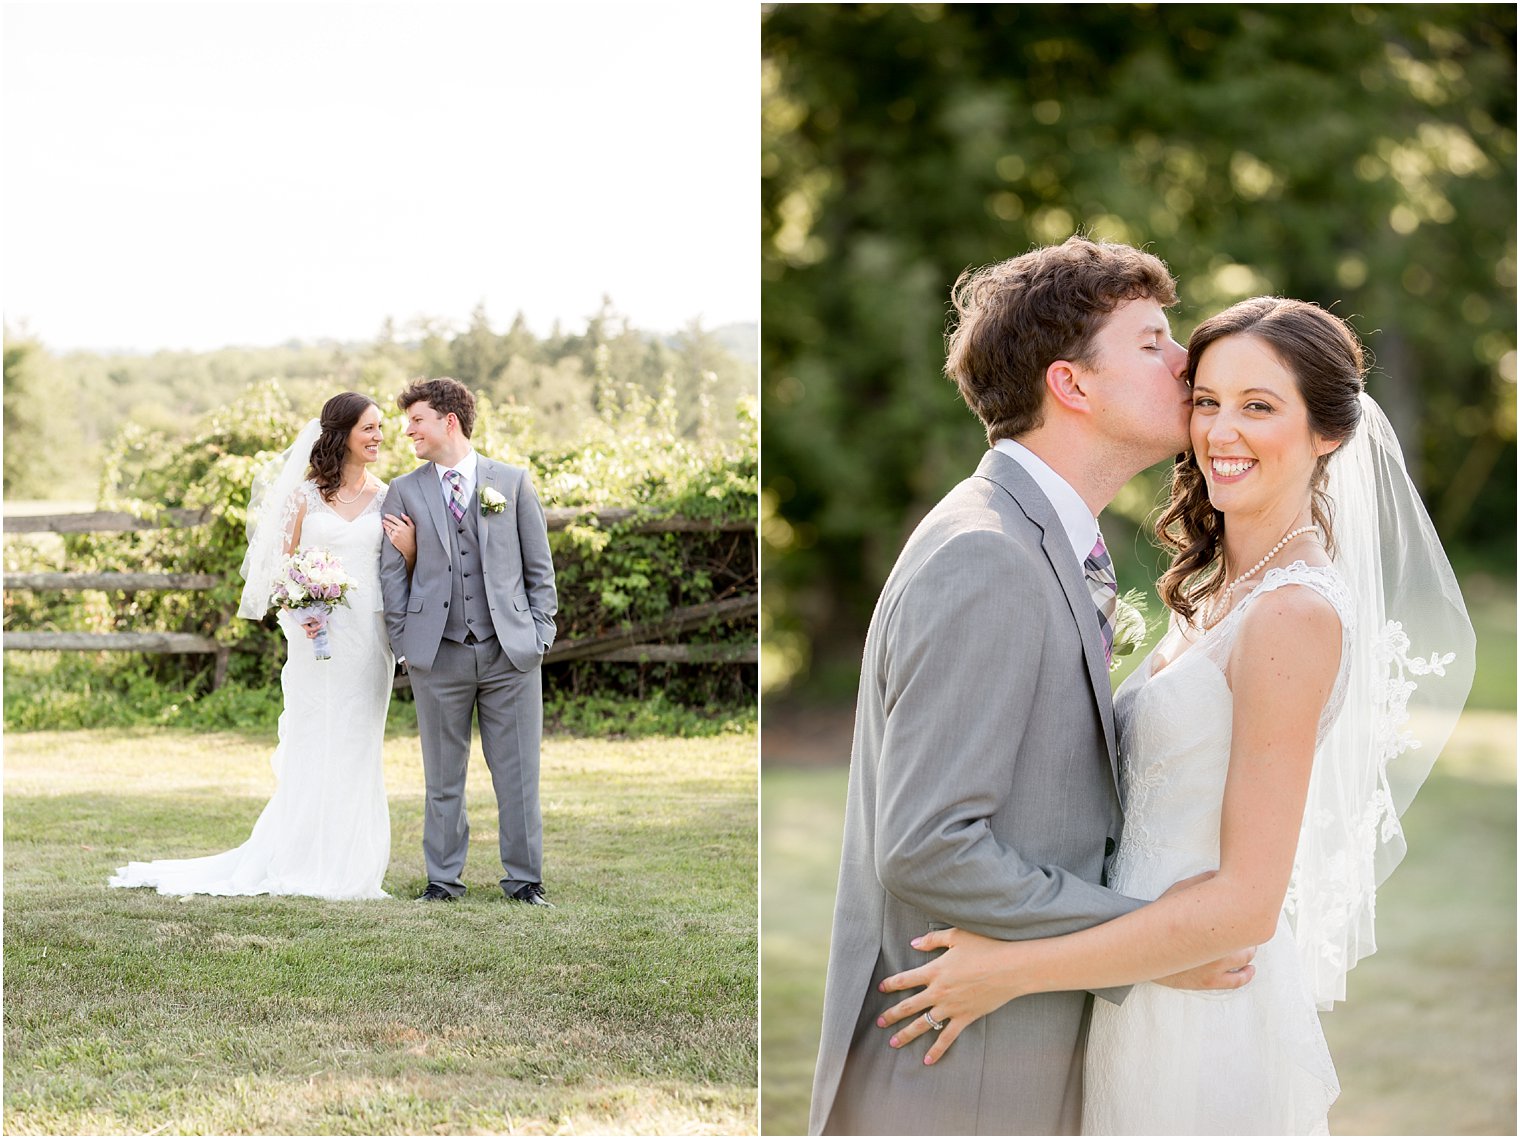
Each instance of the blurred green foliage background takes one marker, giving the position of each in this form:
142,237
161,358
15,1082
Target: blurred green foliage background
1360,156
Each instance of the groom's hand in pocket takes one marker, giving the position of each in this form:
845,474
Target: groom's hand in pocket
1232,971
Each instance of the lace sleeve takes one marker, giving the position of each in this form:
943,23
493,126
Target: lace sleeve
297,507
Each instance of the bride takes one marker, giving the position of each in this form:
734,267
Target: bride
326,831
1270,735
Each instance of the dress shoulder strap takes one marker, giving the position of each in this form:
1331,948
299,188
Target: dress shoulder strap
1324,580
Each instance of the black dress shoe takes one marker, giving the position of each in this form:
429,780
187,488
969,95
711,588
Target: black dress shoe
530,895
435,893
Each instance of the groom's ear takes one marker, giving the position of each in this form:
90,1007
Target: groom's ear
1063,380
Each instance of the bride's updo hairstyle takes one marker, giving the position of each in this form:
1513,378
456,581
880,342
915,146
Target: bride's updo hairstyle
339,415
1328,362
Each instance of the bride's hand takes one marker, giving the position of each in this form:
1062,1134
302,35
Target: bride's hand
403,535
970,979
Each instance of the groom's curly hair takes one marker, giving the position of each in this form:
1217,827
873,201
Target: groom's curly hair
1016,318
443,395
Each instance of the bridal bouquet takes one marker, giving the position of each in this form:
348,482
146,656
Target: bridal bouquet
310,584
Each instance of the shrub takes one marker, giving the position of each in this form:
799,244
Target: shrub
608,577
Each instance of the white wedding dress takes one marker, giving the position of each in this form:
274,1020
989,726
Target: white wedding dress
1252,1061
326,832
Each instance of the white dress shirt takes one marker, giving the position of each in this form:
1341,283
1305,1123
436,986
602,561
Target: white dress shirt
466,469
1080,526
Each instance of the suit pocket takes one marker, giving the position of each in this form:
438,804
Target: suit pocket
414,604
936,926
520,603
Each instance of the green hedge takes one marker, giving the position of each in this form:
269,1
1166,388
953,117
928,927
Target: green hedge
631,454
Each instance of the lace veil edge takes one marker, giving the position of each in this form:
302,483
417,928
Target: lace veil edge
1411,668
272,507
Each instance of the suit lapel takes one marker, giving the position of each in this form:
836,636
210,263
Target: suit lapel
486,475
1007,473
432,499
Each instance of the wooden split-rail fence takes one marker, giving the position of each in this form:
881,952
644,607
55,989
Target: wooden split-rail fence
633,644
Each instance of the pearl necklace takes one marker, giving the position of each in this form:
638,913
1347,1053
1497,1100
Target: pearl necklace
364,482
1211,613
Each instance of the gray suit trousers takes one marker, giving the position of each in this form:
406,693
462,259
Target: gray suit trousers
509,703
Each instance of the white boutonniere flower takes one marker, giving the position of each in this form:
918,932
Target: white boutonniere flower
1131,629
491,501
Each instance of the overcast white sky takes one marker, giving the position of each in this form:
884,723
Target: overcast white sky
193,175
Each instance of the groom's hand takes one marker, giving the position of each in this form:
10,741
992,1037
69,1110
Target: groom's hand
1189,883
1232,971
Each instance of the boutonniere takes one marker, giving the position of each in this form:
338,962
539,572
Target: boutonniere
1131,630
491,501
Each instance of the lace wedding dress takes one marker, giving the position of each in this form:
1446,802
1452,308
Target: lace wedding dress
326,832
1251,1061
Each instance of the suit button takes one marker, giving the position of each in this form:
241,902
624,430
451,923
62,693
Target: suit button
1108,848
445,604
469,597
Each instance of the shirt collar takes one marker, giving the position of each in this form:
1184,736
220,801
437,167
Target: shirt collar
1080,526
465,466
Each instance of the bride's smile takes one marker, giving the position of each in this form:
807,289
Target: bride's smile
365,438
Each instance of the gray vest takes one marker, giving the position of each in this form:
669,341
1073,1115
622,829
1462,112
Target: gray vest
469,612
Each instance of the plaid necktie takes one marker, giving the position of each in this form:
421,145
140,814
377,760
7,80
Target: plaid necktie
1104,587
456,494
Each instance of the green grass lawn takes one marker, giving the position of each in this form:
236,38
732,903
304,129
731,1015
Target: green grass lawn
631,1008
1425,1043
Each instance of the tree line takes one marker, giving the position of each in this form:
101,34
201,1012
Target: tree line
62,411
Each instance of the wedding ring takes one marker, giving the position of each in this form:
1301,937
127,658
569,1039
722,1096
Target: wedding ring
931,1022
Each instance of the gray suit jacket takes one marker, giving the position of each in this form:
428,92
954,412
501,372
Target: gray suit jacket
514,554
983,794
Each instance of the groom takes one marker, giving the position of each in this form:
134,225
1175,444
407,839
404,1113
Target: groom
471,623
983,782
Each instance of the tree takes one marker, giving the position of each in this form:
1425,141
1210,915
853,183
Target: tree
479,355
